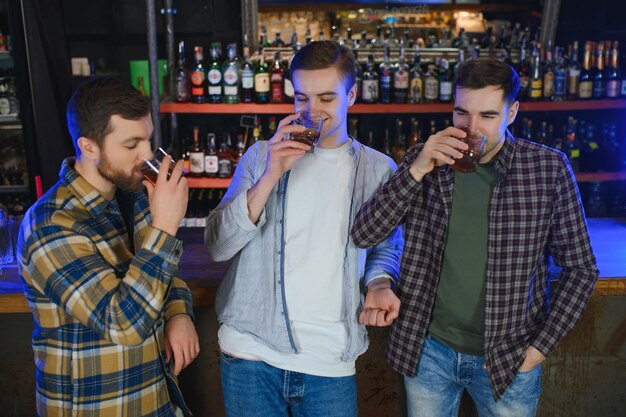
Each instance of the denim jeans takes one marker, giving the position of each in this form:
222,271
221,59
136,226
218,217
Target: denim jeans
443,373
254,388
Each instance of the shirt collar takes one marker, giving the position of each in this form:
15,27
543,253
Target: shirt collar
93,201
504,158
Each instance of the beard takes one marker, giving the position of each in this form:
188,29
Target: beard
118,177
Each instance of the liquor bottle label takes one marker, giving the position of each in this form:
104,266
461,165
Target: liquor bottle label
215,90
401,79
230,76
585,89
572,85
197,91
262,83
197,77
385,80
247,79
369,92
536,88
559,83
548,84
230,90
288,88
445,91
215,76
196,162
224,167
210,164
416,89
431,90
598,89
612,88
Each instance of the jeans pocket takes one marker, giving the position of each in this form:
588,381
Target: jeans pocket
228,358
530,371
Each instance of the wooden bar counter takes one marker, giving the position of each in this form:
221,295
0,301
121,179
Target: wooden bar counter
585,376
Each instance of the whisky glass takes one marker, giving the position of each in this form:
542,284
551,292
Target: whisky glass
152,165
311,134
471,157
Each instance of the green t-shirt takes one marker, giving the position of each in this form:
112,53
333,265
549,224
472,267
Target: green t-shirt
458,318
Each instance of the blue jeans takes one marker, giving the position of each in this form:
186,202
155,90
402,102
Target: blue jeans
254,388
443,373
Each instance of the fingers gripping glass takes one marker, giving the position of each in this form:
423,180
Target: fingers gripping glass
150,168
471,157
311,134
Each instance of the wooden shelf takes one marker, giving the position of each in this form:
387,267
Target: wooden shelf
600,176
208,182
253,108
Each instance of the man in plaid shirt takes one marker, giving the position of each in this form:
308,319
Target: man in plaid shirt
99,262
473,284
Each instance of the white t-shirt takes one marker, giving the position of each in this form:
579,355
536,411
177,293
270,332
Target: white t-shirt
317,211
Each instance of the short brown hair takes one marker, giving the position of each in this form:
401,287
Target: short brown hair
93,103
326,54
475,74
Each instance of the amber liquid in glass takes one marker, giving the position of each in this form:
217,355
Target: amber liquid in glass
471,156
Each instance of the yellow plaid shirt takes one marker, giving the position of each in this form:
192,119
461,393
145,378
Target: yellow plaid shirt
99,308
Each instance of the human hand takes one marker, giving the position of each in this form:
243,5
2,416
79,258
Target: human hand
532,358
283,154
181,341
168,198
441,148
381,305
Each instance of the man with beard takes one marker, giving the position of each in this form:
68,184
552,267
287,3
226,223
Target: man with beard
99,262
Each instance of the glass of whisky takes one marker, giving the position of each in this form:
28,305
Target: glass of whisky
311,134
151,166
471,157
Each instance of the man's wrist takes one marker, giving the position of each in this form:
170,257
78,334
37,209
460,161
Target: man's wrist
379,283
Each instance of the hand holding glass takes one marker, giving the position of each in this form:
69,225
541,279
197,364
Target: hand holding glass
471,157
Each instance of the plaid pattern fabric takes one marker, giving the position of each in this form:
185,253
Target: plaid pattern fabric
535,212
99,309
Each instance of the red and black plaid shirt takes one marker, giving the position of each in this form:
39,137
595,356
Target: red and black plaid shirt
534,213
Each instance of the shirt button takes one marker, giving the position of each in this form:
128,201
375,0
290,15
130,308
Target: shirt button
280,221
279,252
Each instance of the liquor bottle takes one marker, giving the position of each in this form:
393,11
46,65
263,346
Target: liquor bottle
348,40
387,145
308,38
571,145
573,73
612,73
363,41
401,79
369,92
140,86
378,41
415,136
461,41
536,77
198,77
585,85
320,35
262,81
560,76
196,155
185,157
334,34
548,76
277,42
599,81
287,84
353,127
224,156
215,74
210,157
277,75
231,75
358,74
183,89
295,45
385,70
431,84
264,42
271,127
247,74
240,148
398,150
416,79
445,82
524,74
590,147
370,140
433,128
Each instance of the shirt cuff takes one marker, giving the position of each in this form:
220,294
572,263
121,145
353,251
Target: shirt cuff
241,214
160,243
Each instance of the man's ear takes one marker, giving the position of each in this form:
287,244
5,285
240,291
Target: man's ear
513,112
88,148
352,94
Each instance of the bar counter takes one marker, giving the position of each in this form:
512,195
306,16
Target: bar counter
583,377
608,239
